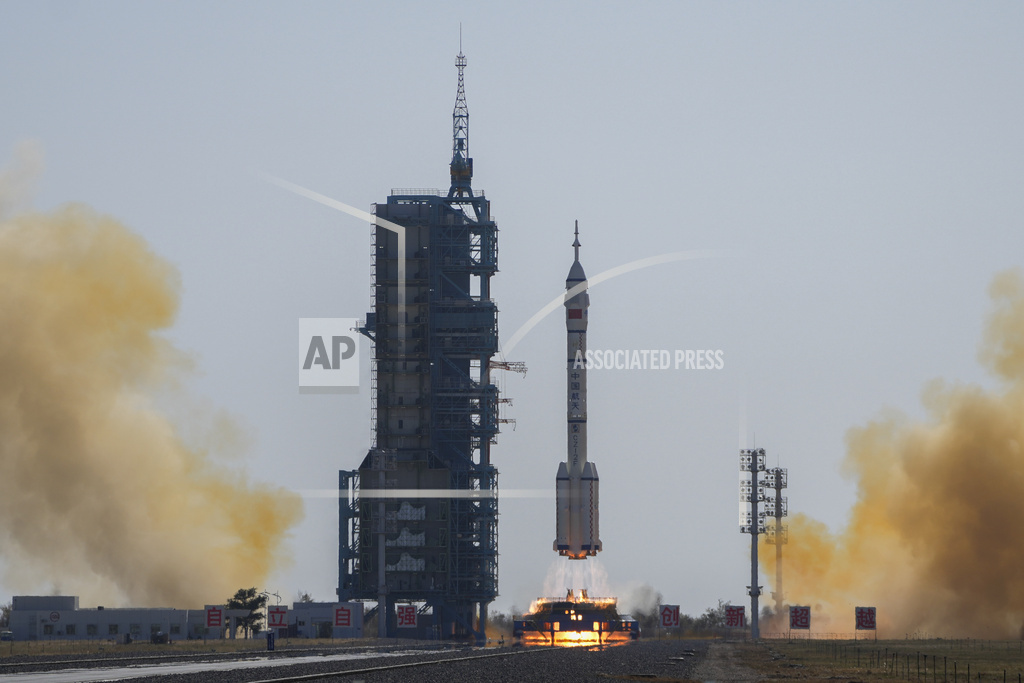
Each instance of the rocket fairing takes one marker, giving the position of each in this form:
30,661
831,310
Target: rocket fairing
576,484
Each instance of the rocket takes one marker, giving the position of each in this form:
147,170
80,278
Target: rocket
576,484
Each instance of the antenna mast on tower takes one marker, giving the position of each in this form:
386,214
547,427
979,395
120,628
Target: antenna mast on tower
462,164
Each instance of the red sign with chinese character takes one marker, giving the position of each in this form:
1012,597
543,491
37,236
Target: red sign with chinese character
343,616
735,617
800,617
214,617
669,616
865,618
406,616
277,617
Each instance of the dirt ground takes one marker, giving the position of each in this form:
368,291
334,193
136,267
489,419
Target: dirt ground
725,663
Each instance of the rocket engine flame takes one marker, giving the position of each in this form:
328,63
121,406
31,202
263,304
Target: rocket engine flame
934,540
574,621
99,493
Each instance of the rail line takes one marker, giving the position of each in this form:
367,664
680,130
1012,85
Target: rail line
282,653
406,665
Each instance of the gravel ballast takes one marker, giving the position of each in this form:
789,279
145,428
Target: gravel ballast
665,660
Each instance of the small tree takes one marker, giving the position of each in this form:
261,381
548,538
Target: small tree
249,599
304,597
5,615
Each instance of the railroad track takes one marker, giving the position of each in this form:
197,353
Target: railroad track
404,665
283,653
667,659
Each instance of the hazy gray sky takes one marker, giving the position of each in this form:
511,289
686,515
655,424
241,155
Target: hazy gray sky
861,161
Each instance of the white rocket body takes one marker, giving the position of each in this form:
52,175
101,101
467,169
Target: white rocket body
576,484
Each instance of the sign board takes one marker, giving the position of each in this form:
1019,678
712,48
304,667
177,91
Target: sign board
346,618
800,617
277,617
865,618
735,616
669,616
214,617
406,616
343,616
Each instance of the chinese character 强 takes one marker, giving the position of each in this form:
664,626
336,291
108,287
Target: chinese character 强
865,618
406,616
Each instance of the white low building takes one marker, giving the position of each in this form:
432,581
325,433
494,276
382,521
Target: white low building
38,617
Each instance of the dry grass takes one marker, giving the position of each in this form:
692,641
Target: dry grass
923,661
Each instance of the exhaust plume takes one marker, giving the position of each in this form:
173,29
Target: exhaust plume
99,492
564,574
935,540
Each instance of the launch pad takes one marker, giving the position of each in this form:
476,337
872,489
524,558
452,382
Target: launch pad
574,621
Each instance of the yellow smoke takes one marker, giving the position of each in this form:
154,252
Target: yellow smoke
936,538
99,494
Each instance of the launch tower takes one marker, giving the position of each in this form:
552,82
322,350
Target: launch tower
419,517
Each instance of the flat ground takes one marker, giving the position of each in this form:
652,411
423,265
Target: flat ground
926,660
664,660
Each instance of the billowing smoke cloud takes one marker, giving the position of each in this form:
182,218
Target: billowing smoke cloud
936,538
639,599
99,494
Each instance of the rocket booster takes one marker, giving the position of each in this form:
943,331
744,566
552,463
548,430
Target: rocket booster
576,484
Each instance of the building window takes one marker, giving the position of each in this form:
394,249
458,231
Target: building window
69,630
136,629
47,629
154,629
175,629
112,630
91,629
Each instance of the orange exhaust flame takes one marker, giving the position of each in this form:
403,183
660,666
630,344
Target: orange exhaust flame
575,621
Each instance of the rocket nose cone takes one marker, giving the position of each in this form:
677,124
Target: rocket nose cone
576,274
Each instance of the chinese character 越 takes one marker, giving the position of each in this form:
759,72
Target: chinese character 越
865,618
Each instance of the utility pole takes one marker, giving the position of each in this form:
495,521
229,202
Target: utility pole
752,460
778,534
